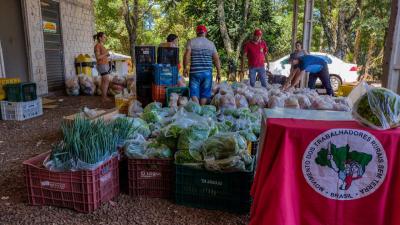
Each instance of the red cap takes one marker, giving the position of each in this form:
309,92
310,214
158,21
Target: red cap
201,29
258,32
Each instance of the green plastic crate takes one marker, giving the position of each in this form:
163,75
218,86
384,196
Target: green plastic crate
182,91
200,188
22,92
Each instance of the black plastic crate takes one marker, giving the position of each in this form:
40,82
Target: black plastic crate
144,93
168,55
144,74
22,92
213,190
145,54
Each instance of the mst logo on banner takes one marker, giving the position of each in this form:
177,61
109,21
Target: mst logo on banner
345,164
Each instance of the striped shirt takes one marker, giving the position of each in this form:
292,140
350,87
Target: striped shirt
202,51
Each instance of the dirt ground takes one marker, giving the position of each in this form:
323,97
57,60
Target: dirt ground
22,140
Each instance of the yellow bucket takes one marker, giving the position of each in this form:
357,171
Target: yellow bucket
4,81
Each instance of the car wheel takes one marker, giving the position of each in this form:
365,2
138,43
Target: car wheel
335,82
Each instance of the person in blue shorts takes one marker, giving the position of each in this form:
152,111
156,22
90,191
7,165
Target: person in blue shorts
200,53
316,66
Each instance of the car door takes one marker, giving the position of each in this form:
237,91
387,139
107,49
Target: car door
285,67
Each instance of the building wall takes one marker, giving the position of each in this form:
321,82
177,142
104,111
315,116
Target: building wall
77,21
13,40
77,24
35,45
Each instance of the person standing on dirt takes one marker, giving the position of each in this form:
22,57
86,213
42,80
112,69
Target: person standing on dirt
103,66
256,51
200,53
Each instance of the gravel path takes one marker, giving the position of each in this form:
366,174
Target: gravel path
22,140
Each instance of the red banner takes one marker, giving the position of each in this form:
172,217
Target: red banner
327,173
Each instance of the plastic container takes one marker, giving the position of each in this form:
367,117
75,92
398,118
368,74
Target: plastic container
181,91
5,81
144,94
21,92
344,90
21,110
144,74
212,190
165,74
83,191
122,103
168,55
153,178
145,54
159,92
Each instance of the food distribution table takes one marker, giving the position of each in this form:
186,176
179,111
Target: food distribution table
326,172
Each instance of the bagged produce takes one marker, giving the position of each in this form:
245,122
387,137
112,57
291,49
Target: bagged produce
183,101
192,138
276,102
154,106
119,80
193,107
223,145
173,100
72,86
208,110
135,108
227,102
292,102
151,117
241,101
86,84
140,126
378,108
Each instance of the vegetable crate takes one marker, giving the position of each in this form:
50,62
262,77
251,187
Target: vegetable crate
213,190
181,91
145,54
21,110
159,93
168,55
144,74
165,74
252,147
21,92
151,177
144,93
5,81
83,191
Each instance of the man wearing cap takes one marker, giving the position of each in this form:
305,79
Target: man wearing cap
256,51
316,66
200,53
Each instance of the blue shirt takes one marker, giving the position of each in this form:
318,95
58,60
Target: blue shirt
311,64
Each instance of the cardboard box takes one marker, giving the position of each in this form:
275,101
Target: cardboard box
104,114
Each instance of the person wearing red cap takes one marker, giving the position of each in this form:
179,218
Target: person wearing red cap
256,51
200,53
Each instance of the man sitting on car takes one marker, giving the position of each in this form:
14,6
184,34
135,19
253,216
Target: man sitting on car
316,66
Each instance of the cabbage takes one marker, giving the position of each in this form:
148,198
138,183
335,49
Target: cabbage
223,145
151,117
140,126
154,106
192,139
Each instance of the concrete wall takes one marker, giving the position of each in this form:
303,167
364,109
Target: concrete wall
13,40
78,28
77,24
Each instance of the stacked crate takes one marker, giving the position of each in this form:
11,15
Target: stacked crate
165,73
21,102
145,58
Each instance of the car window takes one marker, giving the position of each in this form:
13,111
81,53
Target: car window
285,61
326,58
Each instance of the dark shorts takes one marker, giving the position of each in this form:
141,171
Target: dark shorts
103,69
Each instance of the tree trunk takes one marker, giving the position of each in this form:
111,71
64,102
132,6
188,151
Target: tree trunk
326,14
371,49
223,29
131,16
295,23
357,45
341,35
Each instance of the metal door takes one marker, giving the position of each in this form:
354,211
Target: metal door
53,44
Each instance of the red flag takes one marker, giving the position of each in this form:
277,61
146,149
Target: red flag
327,173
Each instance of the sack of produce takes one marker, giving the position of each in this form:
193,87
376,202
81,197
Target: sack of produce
241,101
192,138
120,80
86,84
227,102
72,86
193,107
183,101
378,108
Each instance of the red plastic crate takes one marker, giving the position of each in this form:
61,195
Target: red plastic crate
152,178
159,92
83,191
